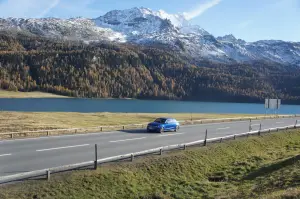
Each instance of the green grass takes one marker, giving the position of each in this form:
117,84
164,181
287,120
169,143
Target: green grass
257,167
18,94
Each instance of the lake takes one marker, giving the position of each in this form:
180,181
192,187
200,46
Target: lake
135,106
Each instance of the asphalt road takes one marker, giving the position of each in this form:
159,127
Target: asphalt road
18,156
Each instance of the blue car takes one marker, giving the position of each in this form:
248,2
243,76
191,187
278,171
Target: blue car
163,124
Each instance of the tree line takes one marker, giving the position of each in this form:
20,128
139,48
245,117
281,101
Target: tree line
101,70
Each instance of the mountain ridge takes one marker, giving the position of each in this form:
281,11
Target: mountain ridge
143,26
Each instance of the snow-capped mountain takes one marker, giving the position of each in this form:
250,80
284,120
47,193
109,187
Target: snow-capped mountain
137,23
144,26
74,28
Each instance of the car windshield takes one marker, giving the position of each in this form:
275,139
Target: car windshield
160,120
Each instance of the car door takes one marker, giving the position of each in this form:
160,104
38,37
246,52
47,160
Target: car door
176,123
168,124
173,126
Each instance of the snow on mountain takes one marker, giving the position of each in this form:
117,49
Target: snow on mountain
235,48
271,50
277,51
144,26
231,39
133,22
178,20
74,28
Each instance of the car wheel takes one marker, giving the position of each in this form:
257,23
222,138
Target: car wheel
161,130
176,128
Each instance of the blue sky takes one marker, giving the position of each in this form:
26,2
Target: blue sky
250,20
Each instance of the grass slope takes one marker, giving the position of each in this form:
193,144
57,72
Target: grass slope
13,94
257,167
22,121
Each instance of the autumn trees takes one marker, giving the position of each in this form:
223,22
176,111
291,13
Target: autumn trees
109,70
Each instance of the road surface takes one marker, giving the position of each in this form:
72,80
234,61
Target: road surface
18,156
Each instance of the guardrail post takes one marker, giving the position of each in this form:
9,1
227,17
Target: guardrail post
234,137
12,136
101,128
47,133
221,140
184,147
259,127
161,151
96,157
48,175
75,131
250,127
123,127
132,157
259,132
205,140
296,123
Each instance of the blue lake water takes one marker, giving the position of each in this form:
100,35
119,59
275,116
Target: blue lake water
135,106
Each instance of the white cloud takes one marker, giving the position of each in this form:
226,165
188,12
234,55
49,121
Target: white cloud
26,8
201,8
47,9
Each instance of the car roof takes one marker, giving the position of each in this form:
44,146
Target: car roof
166,118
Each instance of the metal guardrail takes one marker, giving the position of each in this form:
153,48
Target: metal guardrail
159,150
123,127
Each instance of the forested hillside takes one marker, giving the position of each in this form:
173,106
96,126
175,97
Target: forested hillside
29,63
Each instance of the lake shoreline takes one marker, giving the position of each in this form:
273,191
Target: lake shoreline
136,106
4,94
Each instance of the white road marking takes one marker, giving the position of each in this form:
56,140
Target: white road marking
279,122
65,147
255,125
171,134
223,128
5,155
61,136
127,140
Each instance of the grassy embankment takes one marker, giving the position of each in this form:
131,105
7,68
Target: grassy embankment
12,94
265,167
